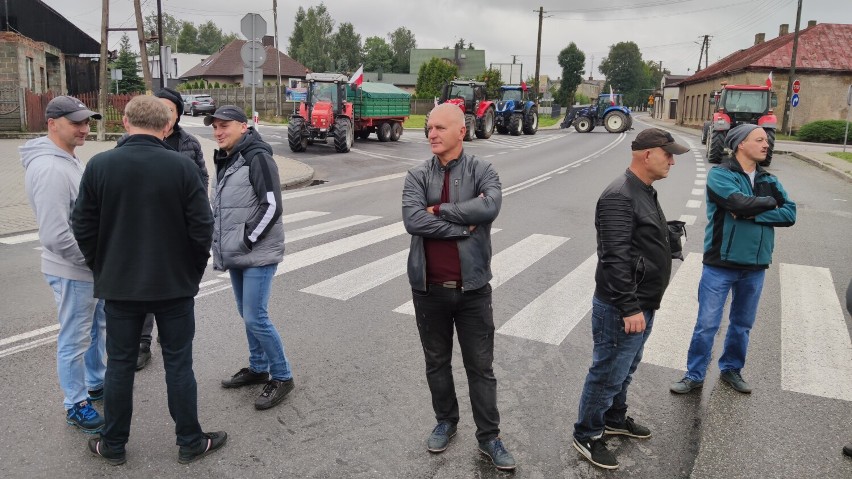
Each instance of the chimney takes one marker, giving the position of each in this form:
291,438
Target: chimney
783,29
268,41
812,23
759,38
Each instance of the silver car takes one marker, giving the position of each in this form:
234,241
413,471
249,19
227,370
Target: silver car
195,104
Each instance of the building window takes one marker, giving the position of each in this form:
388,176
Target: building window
30,74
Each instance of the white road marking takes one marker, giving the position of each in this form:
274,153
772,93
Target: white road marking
327,227
302,215
693,204
701,175
24,238
352,283
700,182
327,189
29,334
688,219
697,191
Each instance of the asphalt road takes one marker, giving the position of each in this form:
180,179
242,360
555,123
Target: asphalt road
361,406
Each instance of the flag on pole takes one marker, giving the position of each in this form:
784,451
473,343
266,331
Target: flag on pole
769,80
523,85
611,96
357,77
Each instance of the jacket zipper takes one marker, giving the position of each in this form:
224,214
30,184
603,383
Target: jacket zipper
730,242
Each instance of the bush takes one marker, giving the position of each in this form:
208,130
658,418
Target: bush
823,131
216,85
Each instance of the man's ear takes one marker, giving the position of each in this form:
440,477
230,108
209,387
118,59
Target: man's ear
125,122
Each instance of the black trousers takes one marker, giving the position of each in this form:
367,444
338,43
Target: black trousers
438,310
176,326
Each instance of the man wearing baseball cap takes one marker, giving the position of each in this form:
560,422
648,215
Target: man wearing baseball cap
248,242
741,197
633,271
52,178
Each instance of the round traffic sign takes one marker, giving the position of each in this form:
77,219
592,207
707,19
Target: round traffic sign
794,100
796,86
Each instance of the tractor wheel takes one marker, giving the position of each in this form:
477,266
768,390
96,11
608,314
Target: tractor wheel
487,125
629,123
297,135
396,131
344,135
363,134
470,123
715,146
531,122
502,129
384,132
770,141
516,126
704,130
615,122
583,124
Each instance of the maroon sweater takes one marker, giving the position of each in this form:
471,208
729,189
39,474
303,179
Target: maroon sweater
442,255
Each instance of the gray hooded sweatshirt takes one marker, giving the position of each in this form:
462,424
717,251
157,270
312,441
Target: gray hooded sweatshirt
52,178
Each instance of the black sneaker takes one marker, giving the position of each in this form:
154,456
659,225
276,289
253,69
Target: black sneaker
95,395
273,393
596,452
210,441
847,449
244,377
439,440
113,458
629,428
685,385
736,381
84,416
144,356
500,457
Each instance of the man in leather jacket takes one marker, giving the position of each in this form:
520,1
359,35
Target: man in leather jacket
634,267
448,205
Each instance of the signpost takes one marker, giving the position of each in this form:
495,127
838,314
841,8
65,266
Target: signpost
848,110
794,102
253,26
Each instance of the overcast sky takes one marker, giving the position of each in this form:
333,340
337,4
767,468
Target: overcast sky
670,31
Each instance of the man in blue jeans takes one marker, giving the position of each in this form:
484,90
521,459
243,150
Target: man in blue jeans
634,268
248,242
52,178
744,205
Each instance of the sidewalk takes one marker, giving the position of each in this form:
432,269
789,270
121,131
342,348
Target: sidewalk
813,153
17,217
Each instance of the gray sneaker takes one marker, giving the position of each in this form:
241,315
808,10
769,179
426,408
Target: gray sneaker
439,440
685,385
735,379
496,451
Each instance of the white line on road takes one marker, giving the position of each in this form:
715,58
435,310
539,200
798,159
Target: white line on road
24,238
26,346
352,283
302,215
700,182
697,191
327,227
688,219
353,184
693,204
29,334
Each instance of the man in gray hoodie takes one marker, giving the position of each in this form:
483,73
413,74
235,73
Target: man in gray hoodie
52,177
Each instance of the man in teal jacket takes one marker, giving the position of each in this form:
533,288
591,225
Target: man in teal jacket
744,205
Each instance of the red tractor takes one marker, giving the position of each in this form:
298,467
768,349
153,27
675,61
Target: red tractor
735,105
471,98
324,114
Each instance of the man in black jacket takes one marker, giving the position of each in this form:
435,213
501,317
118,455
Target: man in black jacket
144,225
634,267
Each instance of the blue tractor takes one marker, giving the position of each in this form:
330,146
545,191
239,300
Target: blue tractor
607,111
515,112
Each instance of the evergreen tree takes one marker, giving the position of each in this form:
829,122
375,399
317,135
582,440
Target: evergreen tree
130,82
572,61
432,77
401,42
188,39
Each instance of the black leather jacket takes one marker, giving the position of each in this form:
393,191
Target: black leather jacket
634,256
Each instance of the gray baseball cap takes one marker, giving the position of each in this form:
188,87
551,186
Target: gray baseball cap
69,107
228,113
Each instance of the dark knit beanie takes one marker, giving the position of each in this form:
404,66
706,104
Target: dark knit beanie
174,97
738,134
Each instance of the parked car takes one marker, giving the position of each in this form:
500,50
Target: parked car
195,104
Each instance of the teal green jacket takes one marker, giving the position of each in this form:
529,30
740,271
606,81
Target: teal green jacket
741,220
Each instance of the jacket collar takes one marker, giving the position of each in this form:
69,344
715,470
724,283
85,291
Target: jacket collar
437,162
638,182
142,139
731,163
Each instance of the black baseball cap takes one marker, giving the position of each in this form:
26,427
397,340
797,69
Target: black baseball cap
657,138
69,107
226,112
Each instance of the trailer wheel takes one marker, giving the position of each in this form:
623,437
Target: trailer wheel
296,136
583,124
384,132
396,131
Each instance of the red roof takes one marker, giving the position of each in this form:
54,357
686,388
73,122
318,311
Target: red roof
227,62
822,47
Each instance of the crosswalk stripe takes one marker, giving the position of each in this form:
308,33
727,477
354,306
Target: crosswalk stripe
352,283
552,316
674,321
301,216
688,219
511,261
327,227
18,239
816,353
693,204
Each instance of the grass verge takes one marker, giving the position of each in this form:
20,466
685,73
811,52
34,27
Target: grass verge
842,155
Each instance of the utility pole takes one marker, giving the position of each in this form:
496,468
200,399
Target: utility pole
160,42
277,57
792,74
703,47
706,50
538,54
592,68
143,47
102,94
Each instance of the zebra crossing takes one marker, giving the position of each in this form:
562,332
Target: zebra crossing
816,349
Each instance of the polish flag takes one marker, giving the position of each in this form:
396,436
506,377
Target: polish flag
357,77
769,80
523,85
611,96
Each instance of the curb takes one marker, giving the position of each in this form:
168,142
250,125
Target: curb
823,166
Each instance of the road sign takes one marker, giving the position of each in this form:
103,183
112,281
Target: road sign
794,100
253,54
253,26
252,77
796,86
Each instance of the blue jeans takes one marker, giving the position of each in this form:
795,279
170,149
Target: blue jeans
745,287
614,359
266,350
176,327
81,345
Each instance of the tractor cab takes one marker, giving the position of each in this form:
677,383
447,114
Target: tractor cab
746,105
465,94
326,98
607,101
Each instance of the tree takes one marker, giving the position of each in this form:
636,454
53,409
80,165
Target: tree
432,77
346,48
402,41
572,61
130,81
187,41
626,72
313,44
210,38
377,55
493,81
171,30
